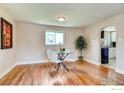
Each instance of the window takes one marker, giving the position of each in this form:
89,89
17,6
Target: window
113,35
54,38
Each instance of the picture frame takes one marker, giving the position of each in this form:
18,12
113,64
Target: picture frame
6,34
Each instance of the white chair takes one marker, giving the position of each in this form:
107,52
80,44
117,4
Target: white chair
73,57
71,60
76,55
52,57
49,54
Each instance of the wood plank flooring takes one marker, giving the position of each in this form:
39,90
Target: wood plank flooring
80,73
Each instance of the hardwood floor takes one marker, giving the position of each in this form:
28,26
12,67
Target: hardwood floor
80,73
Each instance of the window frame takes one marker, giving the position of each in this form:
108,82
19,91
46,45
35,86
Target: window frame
55,31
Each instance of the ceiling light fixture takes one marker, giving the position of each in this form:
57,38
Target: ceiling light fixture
61,19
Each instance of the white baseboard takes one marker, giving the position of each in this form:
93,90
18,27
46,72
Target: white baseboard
32,62
41,61
119,71
72,59
91,61
6,71
19,63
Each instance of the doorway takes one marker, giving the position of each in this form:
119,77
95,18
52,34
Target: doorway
108,47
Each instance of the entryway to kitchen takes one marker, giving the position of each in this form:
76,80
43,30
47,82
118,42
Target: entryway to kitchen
108,47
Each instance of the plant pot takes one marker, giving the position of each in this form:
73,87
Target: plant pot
80,57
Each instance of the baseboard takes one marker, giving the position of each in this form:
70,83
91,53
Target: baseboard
41,61
32,62
72,59
7,71
91,61
119,71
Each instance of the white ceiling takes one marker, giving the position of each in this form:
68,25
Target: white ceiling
78,15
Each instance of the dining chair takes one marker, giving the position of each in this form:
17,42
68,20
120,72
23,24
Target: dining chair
71,60
49,53
52,57
73,56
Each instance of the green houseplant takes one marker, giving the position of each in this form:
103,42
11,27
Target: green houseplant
81,44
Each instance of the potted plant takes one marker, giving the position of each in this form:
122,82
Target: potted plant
81,44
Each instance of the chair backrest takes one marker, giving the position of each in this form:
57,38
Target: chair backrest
49,54
73,56
76,54
52,56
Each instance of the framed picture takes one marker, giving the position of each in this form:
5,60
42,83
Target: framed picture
6,34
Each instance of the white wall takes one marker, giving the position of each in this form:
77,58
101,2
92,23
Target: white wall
8,56
31,46
92,33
